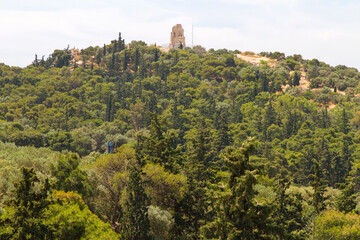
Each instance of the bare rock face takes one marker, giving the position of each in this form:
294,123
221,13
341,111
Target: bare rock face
177,38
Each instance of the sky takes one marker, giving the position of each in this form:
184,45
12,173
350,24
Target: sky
326,30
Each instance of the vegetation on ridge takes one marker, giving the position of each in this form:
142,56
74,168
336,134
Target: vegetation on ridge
208,146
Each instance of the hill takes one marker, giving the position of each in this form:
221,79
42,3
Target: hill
197,133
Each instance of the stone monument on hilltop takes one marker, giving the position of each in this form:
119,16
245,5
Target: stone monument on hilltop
177,38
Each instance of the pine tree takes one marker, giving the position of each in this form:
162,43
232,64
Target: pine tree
135,222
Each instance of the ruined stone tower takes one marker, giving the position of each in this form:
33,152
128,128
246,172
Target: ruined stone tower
177,37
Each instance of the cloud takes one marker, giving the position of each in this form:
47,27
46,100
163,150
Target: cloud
297,26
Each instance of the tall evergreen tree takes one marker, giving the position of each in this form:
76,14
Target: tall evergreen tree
120,42
160,147
346,155
135,222
344,122
242,217
136,59
318,184
287,208
325,158
324,118
193,210
264,81
347,200
125,60
224,139
27,220
156,55
296,78
36,61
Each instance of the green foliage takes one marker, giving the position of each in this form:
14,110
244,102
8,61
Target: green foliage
135,222
245,219
69,177
24,218
159,146
319,189
72,219
333,224
161,222
163,188
181,110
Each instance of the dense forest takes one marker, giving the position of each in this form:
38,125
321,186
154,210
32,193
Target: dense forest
207,146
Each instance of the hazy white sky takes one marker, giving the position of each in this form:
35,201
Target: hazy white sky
326,30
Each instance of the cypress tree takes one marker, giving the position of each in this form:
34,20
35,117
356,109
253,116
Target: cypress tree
176,58
120,42
160,147
325,158
125,62
27,220
113,61
344,122
324,118
296,78
319,188
98,58
135,222
224,139
137,59
246,219
264,82
156,55
287,208
346,156
347,200
109,109
36,61
254,92
115,46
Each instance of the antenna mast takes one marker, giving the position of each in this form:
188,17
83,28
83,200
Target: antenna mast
192,34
